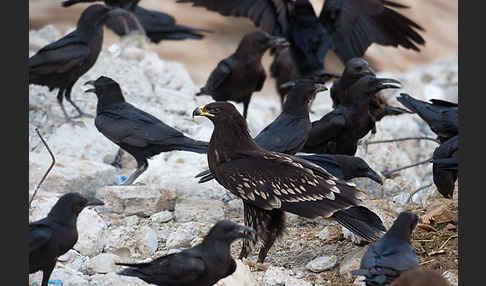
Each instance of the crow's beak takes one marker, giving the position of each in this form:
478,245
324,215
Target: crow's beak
95,202
199,111
385,83
278,42
374,176
319,87
91,82
289,84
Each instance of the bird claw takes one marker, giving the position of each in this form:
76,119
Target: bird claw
82,114
257,265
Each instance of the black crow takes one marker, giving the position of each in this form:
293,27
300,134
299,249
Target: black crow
271,183
61,63
203,265
348,27
55,234
355,69
445,166
392,254
339,131
134,130
236,77
157,25
442,116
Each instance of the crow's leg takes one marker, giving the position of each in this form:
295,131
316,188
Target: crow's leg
246,102
117,162
59,100
67,94
142,166
46,274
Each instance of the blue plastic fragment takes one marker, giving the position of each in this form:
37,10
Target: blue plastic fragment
51,282
121,179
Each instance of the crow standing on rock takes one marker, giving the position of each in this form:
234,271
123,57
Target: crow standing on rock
271,183
348,27
392,255
238,76
339,131
61,63
55,234
202,265
157,25
134,130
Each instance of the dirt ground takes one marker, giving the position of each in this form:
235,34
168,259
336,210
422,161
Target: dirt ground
439,18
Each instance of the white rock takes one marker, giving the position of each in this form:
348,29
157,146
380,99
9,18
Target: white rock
322,263
91,232
330,233
137,200
146,241
103,263
241,277
162,217
275,276
112,279
120,240
74,260
451,277
205,211
182,237
68,276
351,262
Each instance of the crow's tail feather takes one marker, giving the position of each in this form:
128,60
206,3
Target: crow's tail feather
361,221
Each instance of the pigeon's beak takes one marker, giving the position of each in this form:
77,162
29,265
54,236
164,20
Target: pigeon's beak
199,111
374,176
91,82
278,42
95,202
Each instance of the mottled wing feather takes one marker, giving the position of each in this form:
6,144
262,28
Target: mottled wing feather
277,181
269,15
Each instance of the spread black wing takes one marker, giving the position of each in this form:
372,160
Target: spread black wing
269,15
355,25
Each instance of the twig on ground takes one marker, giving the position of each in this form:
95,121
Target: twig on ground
48,170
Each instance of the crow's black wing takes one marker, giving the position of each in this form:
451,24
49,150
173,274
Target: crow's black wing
174,269
39,235
286,134
355,25
60,56
217,76
325,129
269,15
124,123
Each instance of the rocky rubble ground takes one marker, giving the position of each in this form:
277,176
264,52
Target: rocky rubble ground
172,211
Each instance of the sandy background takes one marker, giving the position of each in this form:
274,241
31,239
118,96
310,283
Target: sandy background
439,18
